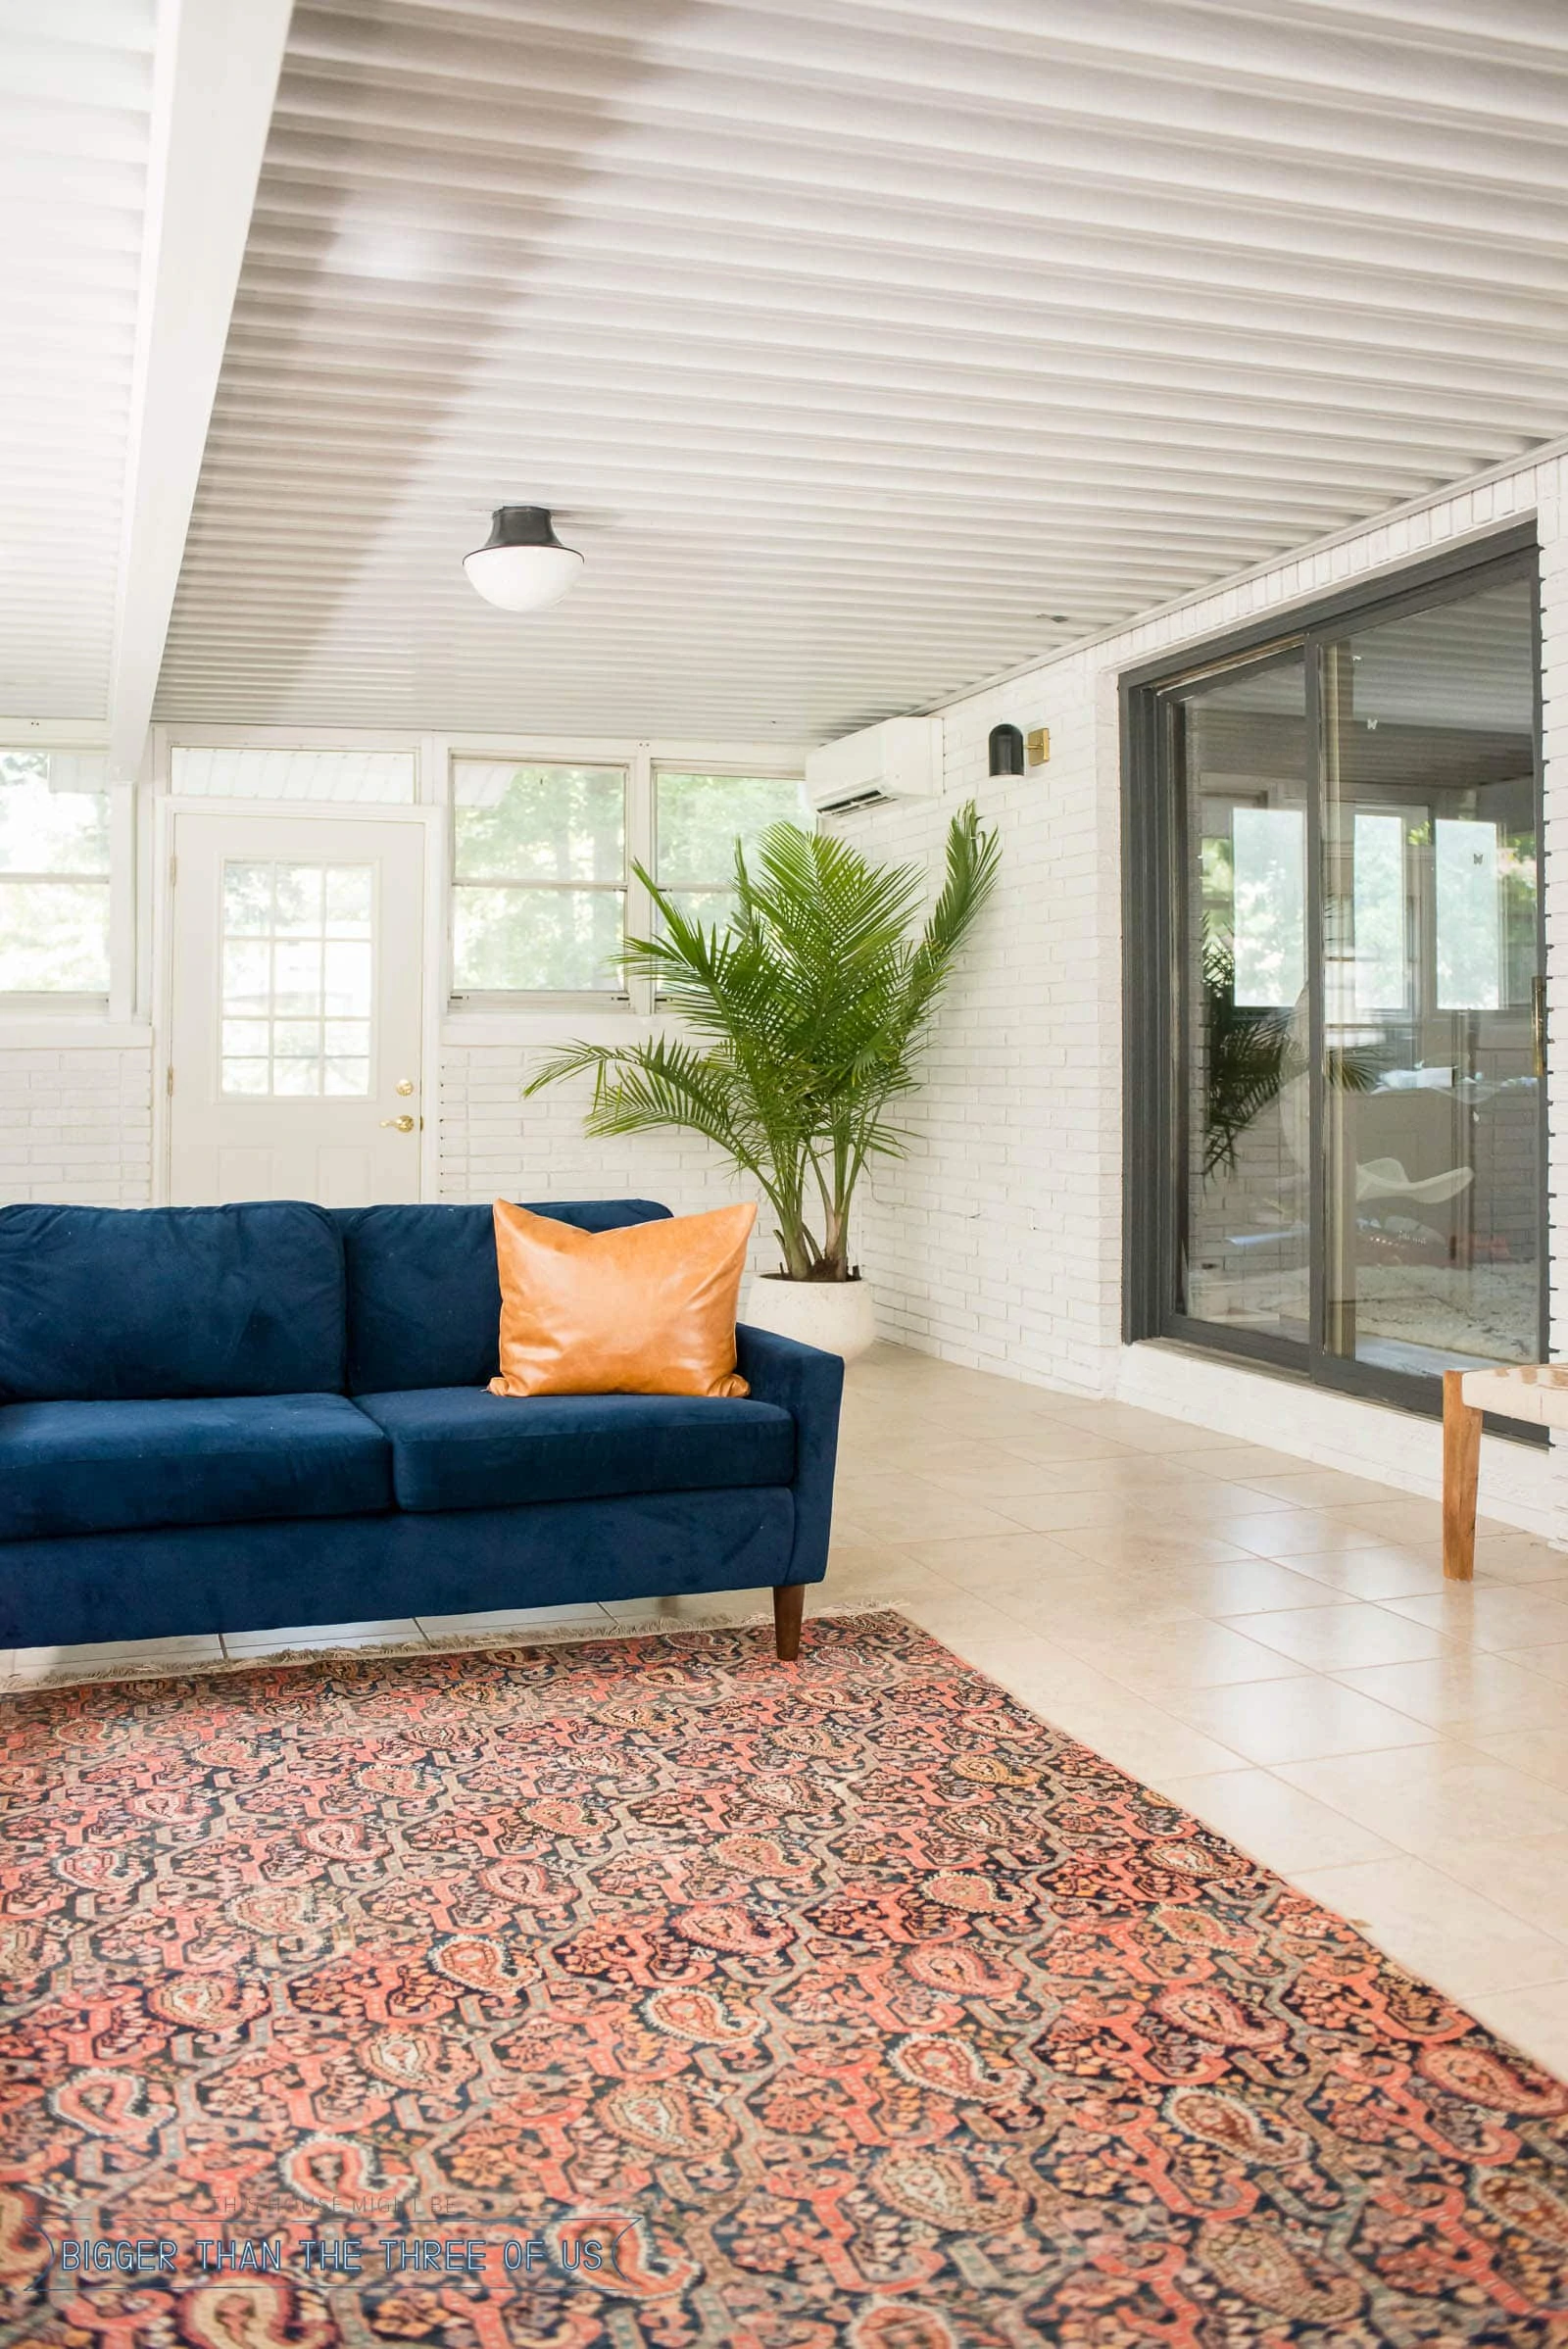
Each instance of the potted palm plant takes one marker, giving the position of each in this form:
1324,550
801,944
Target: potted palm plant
801,1021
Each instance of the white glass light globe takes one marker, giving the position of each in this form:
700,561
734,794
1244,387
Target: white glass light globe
522,566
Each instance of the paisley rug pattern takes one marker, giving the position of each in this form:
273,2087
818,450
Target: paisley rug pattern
844,2002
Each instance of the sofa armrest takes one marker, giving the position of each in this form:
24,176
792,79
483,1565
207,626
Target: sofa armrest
809,1383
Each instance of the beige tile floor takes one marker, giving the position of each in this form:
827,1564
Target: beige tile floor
1269,1642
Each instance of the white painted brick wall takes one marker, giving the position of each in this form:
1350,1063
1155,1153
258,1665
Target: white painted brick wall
77,1124
494,1143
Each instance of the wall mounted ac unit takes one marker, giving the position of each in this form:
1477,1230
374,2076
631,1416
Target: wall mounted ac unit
900,759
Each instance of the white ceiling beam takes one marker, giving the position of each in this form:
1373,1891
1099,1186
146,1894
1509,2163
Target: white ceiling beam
216,70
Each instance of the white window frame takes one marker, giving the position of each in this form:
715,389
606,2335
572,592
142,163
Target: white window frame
769,771
43,1016
497,1015
486,1001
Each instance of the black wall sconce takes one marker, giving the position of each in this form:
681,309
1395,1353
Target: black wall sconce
1006,751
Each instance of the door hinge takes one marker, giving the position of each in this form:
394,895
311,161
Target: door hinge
168,1080
174,868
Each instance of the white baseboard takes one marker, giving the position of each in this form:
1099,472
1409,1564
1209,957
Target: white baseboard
1336,1431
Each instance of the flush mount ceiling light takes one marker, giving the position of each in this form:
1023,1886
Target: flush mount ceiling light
523,564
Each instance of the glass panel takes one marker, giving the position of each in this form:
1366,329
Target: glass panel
297,901
298,979
1378,907
698,818
247,899
247,979
1268,910
536,939
1432,1100
53,937
363,778
1466,914
348,981
54,847
348,900
1242,748
54,814
527,830
539,823
713,907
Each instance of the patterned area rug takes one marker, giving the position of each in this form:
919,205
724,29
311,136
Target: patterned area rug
650,1993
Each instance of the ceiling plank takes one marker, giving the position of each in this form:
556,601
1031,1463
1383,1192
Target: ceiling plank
216,70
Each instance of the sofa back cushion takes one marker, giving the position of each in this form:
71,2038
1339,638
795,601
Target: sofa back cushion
118,1304
425,1296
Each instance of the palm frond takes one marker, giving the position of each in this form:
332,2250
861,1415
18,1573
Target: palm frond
799,1019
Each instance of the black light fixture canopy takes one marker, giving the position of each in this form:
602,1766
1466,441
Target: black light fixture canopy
521,526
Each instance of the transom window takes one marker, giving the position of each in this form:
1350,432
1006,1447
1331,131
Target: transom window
54,875
297,978
349,778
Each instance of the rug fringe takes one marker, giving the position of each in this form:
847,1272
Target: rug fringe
577,1633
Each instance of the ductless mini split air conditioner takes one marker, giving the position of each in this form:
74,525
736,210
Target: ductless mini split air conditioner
900,759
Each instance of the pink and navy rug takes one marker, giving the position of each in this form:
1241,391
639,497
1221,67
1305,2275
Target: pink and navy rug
650,1993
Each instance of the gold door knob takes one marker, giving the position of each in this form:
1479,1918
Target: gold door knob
399,1125
404,1084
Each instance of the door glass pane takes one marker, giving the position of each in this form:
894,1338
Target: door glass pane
297,979
1241,745
1431,1085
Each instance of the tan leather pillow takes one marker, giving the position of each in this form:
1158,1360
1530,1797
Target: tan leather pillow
648,1309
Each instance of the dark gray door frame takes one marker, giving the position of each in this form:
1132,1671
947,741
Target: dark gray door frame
1155,1009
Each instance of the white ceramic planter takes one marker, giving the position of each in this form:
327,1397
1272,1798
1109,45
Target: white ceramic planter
840,1316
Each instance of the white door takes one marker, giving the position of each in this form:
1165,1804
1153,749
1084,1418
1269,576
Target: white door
295,996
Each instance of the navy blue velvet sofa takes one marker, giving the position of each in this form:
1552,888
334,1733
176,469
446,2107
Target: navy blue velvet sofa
223,1419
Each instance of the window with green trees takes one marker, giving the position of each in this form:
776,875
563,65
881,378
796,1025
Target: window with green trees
54,875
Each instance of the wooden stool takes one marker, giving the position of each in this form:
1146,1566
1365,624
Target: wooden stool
1533,1391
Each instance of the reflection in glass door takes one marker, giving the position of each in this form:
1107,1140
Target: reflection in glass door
1431,947
1243,744
1357,1160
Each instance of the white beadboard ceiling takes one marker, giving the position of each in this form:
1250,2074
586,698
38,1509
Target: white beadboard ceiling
75,102
864,347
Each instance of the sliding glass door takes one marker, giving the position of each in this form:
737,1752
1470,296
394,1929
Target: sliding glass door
1352,1180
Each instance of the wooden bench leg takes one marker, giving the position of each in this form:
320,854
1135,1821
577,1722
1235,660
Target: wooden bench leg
1462,1473
788,1605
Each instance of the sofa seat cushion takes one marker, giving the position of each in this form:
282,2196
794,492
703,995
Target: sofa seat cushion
114,1467
462,1448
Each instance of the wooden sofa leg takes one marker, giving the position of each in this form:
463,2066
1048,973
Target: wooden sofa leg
788,1605
1461,1474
